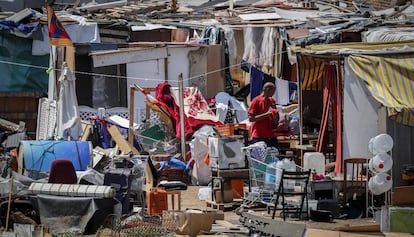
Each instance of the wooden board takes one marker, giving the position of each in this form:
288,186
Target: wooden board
124,146
220,206
359,228
403,196
227,225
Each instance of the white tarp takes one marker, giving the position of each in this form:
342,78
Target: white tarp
68,119
388,34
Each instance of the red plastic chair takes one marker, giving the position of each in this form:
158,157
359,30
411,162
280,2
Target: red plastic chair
62,172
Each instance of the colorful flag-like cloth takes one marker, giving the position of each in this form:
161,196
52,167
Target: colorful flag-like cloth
57,34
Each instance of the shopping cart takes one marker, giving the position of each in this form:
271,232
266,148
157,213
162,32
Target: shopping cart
260,158
265,176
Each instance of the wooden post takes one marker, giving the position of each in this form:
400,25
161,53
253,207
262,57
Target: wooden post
132,90
182,120
231,7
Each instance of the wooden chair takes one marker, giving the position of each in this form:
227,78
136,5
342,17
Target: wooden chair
355,179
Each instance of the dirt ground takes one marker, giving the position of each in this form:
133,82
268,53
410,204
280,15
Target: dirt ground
190,200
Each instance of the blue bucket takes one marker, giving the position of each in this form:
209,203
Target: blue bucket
38,155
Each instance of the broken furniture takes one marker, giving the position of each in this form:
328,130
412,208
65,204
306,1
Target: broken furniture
173,188
225,176
286,190
323,189
354,186
56,205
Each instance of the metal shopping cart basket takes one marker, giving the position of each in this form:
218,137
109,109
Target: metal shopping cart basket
265,176
260,159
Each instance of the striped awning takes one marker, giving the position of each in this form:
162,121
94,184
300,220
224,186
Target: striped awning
311,72
390,79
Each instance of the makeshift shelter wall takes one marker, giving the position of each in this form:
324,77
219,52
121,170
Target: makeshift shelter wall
365,118
360,117
21,71
403,151
97,90
148,74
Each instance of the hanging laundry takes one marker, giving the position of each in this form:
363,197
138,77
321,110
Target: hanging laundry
268,78
281,95
223,103
256,82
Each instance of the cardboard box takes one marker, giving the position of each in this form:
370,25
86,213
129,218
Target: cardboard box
228,195
190,222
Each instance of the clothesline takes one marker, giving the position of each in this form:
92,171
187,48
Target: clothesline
129,77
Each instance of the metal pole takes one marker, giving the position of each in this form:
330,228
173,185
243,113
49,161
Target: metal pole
182,120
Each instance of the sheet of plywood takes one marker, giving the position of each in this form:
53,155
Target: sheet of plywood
403,196
124,146
331,233
216,81
359,228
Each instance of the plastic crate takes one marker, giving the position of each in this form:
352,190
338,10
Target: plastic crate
225,130
228,129
173,174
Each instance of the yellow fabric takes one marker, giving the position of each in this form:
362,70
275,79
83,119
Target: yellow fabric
390,79
311,72
318,48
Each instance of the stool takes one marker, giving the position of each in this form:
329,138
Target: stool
172,193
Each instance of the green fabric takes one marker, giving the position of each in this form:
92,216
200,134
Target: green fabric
20,70
402,220
152,135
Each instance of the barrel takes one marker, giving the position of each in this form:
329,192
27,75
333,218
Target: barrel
38,155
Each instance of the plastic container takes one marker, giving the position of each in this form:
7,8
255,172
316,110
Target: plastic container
157,201
270,176
287,165
205,194
381,143
380,163
237,186
380,183
314,161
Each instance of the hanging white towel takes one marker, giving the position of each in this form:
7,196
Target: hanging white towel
281,95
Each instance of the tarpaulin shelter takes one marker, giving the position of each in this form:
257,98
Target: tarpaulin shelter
370,79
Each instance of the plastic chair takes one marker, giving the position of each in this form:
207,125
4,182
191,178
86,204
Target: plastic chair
355,184
62,172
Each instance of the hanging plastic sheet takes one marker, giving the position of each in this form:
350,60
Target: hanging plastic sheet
65,214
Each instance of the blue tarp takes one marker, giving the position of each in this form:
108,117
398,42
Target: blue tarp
38,155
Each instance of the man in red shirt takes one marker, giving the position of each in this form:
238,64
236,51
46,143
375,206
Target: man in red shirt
264,116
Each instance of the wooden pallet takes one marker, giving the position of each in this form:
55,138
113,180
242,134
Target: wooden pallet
228,206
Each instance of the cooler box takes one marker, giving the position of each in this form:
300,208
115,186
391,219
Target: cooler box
226,153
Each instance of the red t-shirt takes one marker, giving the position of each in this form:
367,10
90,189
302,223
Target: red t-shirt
262,128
